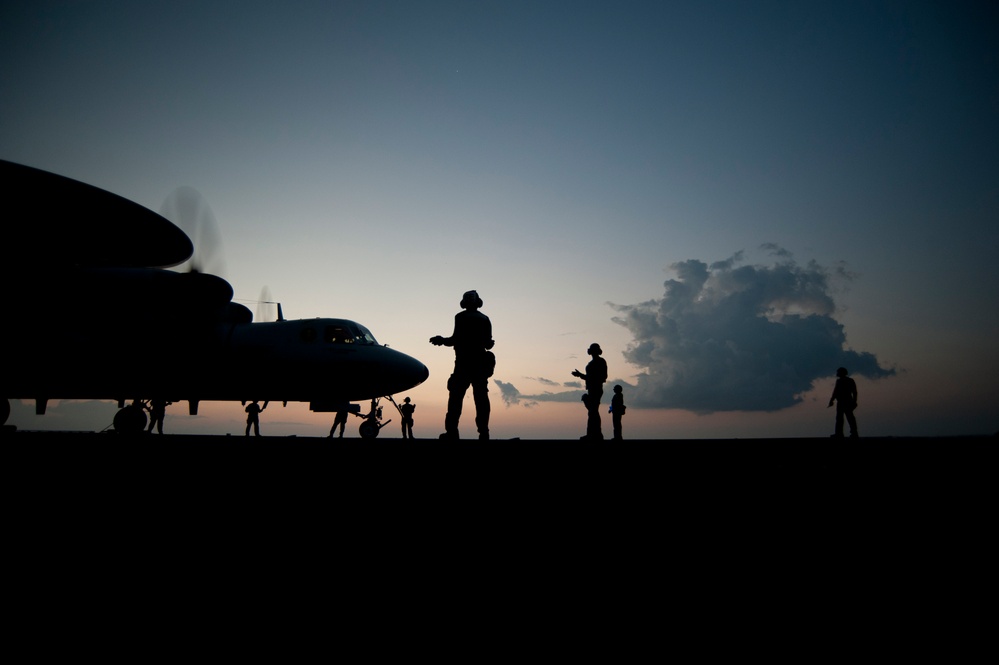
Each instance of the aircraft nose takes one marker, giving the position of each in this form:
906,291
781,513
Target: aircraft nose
409,371
420,372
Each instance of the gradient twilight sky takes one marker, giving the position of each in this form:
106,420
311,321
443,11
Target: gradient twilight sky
716,192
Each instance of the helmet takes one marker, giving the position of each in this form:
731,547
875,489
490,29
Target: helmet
470,299
595,348
841,372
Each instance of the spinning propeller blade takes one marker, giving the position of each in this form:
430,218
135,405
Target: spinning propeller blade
265,307
189,210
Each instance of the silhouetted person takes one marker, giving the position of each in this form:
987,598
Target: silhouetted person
596,375
473,364
253,417
617,410
341,420
157,411
406,409
845,396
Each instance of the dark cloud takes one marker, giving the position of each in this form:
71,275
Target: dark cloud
739,338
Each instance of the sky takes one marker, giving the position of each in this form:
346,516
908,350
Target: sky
732,198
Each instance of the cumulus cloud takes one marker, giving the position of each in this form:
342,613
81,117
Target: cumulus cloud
508,392
511,396
731,337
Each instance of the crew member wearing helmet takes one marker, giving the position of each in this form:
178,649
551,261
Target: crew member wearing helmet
406,410
845,397
596,375
473,364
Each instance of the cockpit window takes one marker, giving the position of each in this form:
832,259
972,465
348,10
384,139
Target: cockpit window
364,335
338,335
348,332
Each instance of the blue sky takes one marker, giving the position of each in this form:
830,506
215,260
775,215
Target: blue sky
373,160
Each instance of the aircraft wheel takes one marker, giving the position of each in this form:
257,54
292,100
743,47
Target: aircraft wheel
368,430
130,420
4,411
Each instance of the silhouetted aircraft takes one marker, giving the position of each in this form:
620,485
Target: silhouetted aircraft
92,313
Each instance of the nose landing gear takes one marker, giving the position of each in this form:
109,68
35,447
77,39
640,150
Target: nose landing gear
372,421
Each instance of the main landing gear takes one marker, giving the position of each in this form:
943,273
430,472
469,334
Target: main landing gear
130,419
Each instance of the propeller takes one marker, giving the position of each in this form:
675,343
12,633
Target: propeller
189,210
265,307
